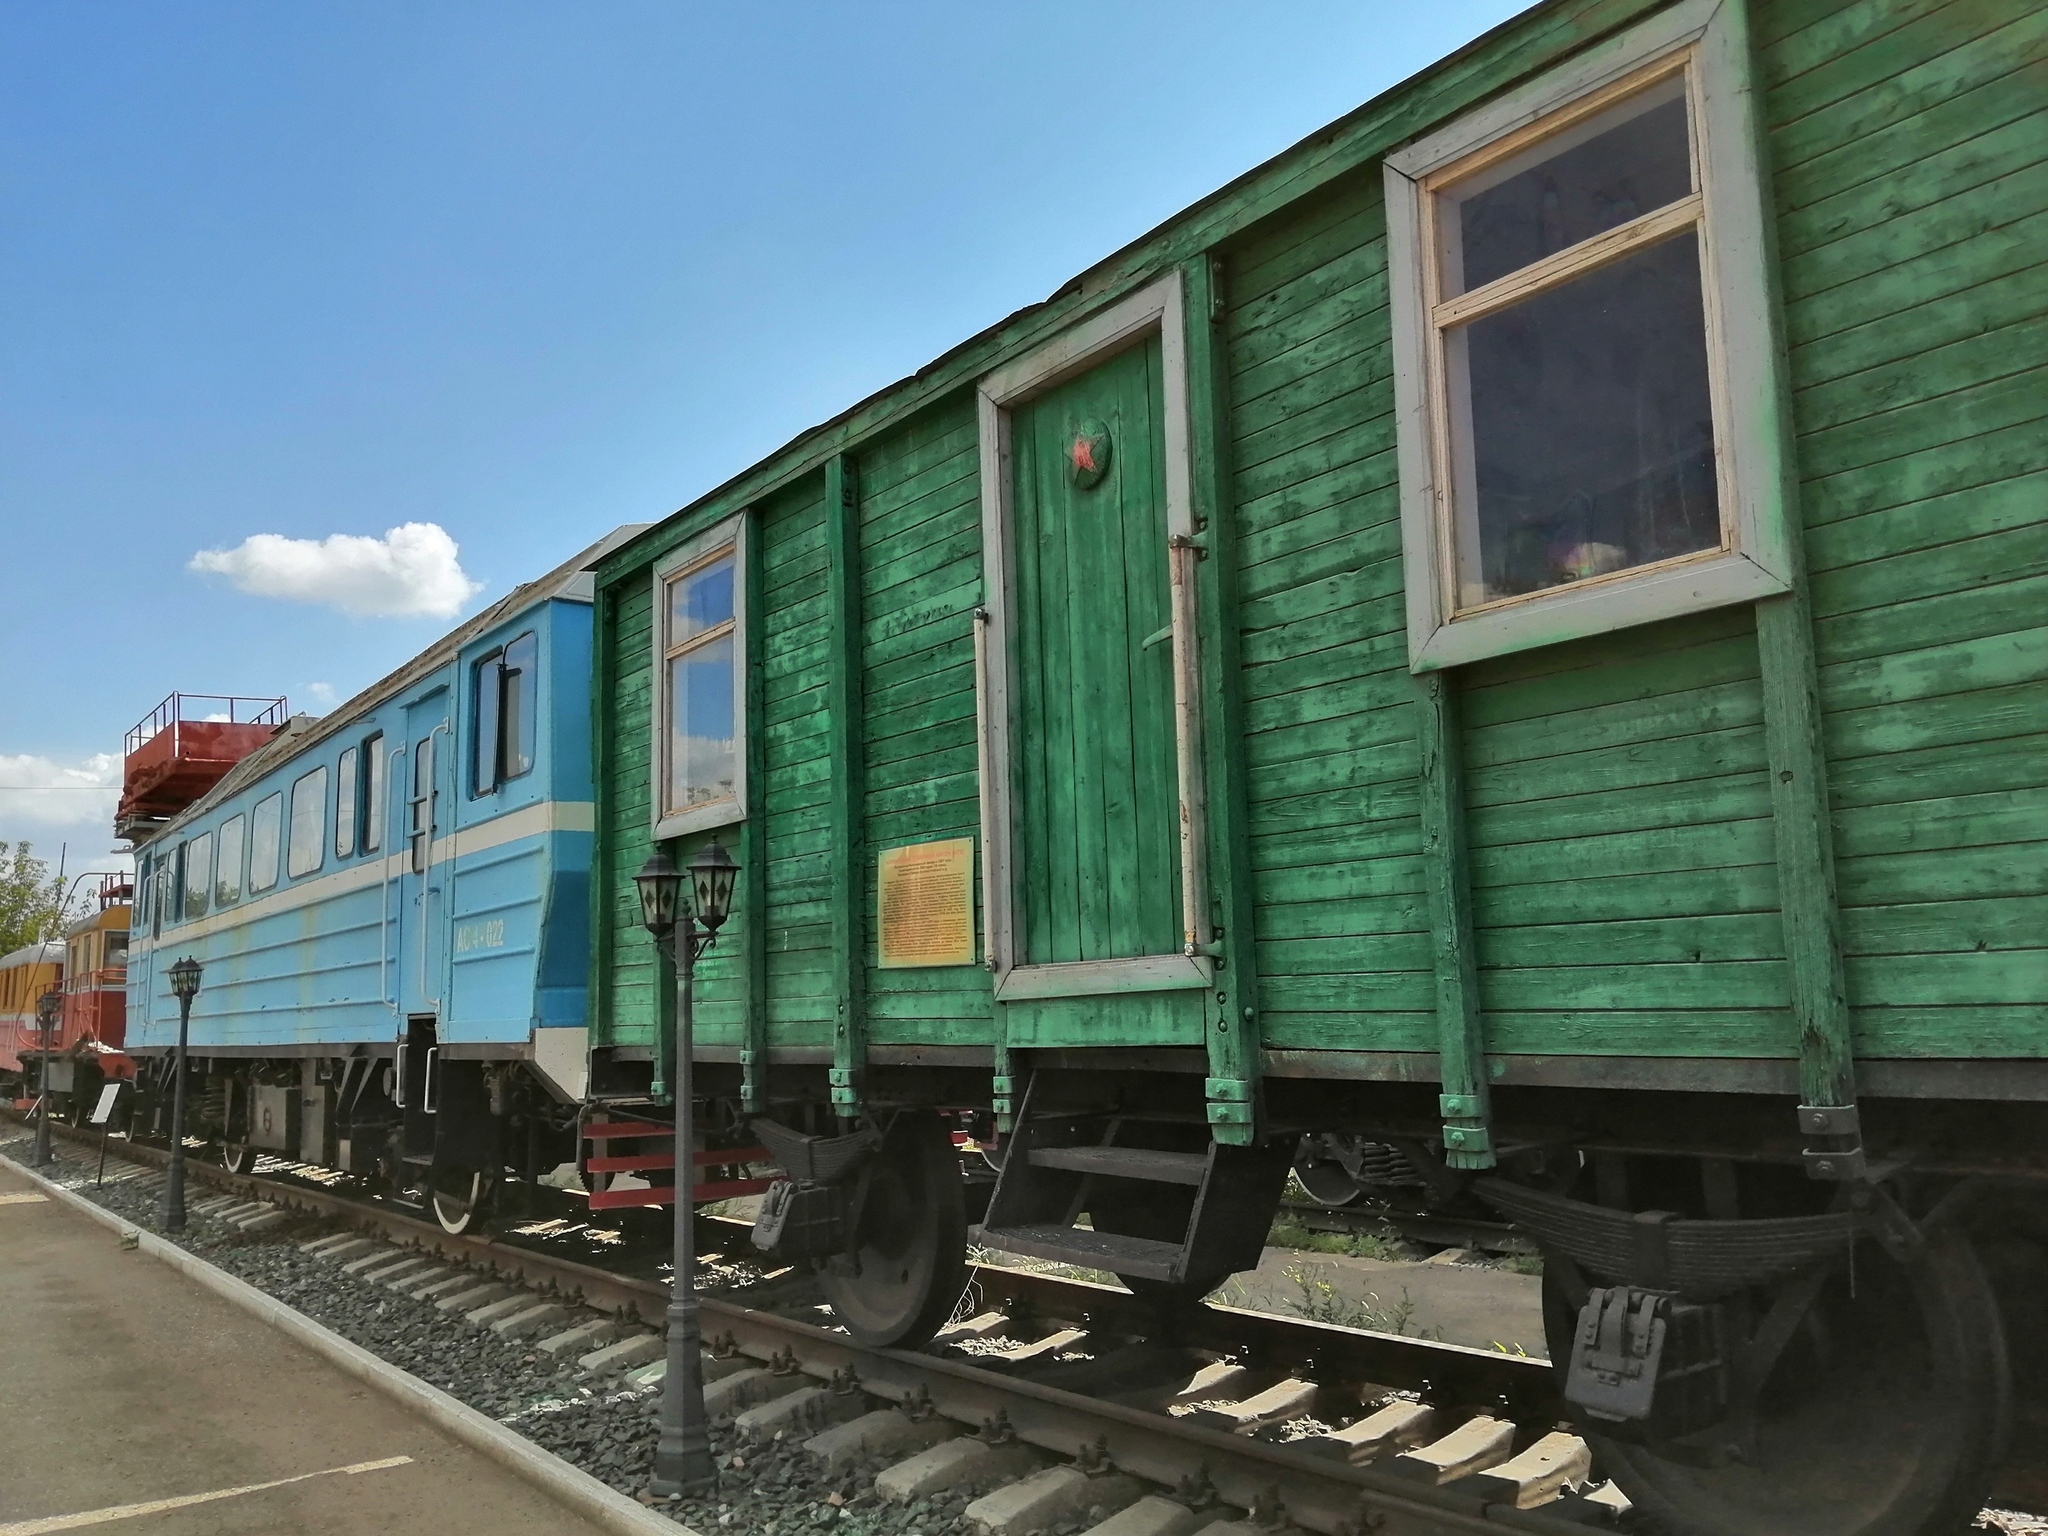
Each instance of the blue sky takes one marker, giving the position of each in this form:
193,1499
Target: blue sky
522,272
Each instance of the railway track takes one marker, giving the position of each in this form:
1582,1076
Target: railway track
1074,1390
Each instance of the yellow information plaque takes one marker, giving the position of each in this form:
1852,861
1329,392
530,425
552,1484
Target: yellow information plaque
927,904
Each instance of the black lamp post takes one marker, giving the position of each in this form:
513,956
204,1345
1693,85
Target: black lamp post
49,1008
185,986
682,1455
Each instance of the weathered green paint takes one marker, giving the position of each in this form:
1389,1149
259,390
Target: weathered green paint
752,895
1233,1038
1642,879
846,784
1460,1019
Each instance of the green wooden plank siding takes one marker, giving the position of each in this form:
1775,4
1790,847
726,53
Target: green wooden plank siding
1911,150
1623,859
794,805
920,537
1334,815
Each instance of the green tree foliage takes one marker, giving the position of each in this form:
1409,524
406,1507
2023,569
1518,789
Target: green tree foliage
29,899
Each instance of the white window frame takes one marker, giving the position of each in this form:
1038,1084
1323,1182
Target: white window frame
1156,309
701,550
1751,441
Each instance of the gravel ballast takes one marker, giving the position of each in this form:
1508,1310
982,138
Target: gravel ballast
773,1488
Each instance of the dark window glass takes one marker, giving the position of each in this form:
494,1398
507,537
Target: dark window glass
483,735
117,948
373,794
1588,179
345,806
516,694
1590,446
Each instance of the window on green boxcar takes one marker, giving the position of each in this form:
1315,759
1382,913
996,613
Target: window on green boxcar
265,823
227,877
345,804
198,875
1581,354
304,849
700,739
372,814
1580,426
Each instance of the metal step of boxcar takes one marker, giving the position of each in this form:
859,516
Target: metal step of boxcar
1125,1163
1140,1256
1163,1212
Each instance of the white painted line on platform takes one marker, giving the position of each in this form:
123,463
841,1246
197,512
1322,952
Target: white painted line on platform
23,1197
159,1506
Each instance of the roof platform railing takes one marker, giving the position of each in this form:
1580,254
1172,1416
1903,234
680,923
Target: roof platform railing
185,746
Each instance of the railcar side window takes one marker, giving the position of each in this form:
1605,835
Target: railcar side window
516,701
421,832
485,695
345,804
116,951
698,642
1577,282
502,715
227,879
265,824
198,875
372,815
303,851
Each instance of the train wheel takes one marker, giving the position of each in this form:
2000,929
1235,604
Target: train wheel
459,1197
237,1156
1884,1415
909,1262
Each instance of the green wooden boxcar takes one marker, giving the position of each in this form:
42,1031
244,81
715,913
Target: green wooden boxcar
1507,644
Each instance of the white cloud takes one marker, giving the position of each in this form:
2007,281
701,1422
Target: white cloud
323,694
41,796
412,571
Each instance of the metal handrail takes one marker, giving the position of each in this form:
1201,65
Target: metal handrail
171,713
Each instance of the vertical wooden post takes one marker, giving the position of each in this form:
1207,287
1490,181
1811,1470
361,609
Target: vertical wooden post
1234,1027
1806,859
1801,824
753,882
1003,1091
1446,873
845,807
597,1002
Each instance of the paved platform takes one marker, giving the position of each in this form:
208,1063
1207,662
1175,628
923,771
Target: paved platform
123,1383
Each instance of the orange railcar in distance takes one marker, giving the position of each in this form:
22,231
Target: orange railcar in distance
25,975
89,969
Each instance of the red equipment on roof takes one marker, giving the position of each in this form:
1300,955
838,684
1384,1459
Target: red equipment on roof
184,747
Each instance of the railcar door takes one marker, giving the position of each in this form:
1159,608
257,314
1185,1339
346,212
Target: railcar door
1090,715
422,949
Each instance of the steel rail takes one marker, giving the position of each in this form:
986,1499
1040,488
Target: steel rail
1316,1492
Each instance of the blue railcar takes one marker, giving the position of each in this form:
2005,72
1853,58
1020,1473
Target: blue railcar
391,906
